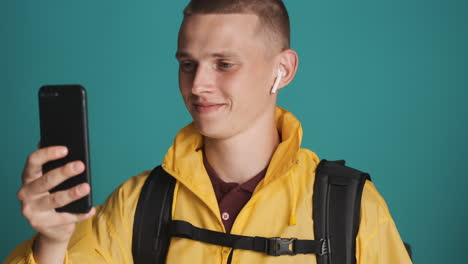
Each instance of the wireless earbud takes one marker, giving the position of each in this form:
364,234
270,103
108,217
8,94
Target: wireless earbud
277,81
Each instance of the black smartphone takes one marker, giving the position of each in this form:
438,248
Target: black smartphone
64,121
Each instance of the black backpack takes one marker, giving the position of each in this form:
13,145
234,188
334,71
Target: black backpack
336,213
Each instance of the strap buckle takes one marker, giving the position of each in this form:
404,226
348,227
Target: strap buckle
277,246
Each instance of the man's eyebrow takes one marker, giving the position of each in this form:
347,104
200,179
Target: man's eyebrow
182,54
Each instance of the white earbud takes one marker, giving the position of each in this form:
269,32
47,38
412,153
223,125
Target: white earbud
277,81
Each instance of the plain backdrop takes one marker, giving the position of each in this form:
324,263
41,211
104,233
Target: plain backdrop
382,84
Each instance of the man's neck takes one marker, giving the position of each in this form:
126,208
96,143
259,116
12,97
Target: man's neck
239,158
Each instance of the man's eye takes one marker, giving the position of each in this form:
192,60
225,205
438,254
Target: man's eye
187,66
225,65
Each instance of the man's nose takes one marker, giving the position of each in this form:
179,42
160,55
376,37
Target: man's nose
203,81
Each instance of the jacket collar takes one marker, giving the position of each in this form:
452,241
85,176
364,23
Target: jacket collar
184,159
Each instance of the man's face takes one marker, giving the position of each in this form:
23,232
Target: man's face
225,73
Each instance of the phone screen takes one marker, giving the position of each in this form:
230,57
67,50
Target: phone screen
63,121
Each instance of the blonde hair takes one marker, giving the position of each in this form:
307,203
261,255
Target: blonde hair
272,14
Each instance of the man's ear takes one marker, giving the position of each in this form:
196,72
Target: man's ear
288,62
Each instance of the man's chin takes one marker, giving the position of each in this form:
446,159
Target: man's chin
214,131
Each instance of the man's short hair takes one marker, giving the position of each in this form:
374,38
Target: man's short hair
272,14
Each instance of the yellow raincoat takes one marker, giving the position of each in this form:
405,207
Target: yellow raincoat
281,206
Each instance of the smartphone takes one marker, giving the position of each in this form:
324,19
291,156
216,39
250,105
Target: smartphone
64,121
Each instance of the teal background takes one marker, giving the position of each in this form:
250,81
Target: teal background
382,84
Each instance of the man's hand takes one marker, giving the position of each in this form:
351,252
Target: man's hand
38,204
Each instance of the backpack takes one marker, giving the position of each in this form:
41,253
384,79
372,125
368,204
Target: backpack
336,214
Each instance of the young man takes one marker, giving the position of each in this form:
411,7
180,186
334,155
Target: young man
238,167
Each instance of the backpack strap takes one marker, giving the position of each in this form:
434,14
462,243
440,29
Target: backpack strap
336,210
272,246
152,218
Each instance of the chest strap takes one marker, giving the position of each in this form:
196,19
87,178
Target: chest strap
273,246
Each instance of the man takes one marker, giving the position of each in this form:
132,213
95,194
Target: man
239,166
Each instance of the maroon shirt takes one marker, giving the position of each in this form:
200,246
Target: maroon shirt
231,196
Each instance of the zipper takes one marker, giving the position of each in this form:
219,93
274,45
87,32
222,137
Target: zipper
326,242
327,230
230,257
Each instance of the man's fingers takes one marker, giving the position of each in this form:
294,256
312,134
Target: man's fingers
69,218
54,177
53,219
34,162
62,198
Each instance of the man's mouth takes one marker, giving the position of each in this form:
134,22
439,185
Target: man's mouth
206,108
